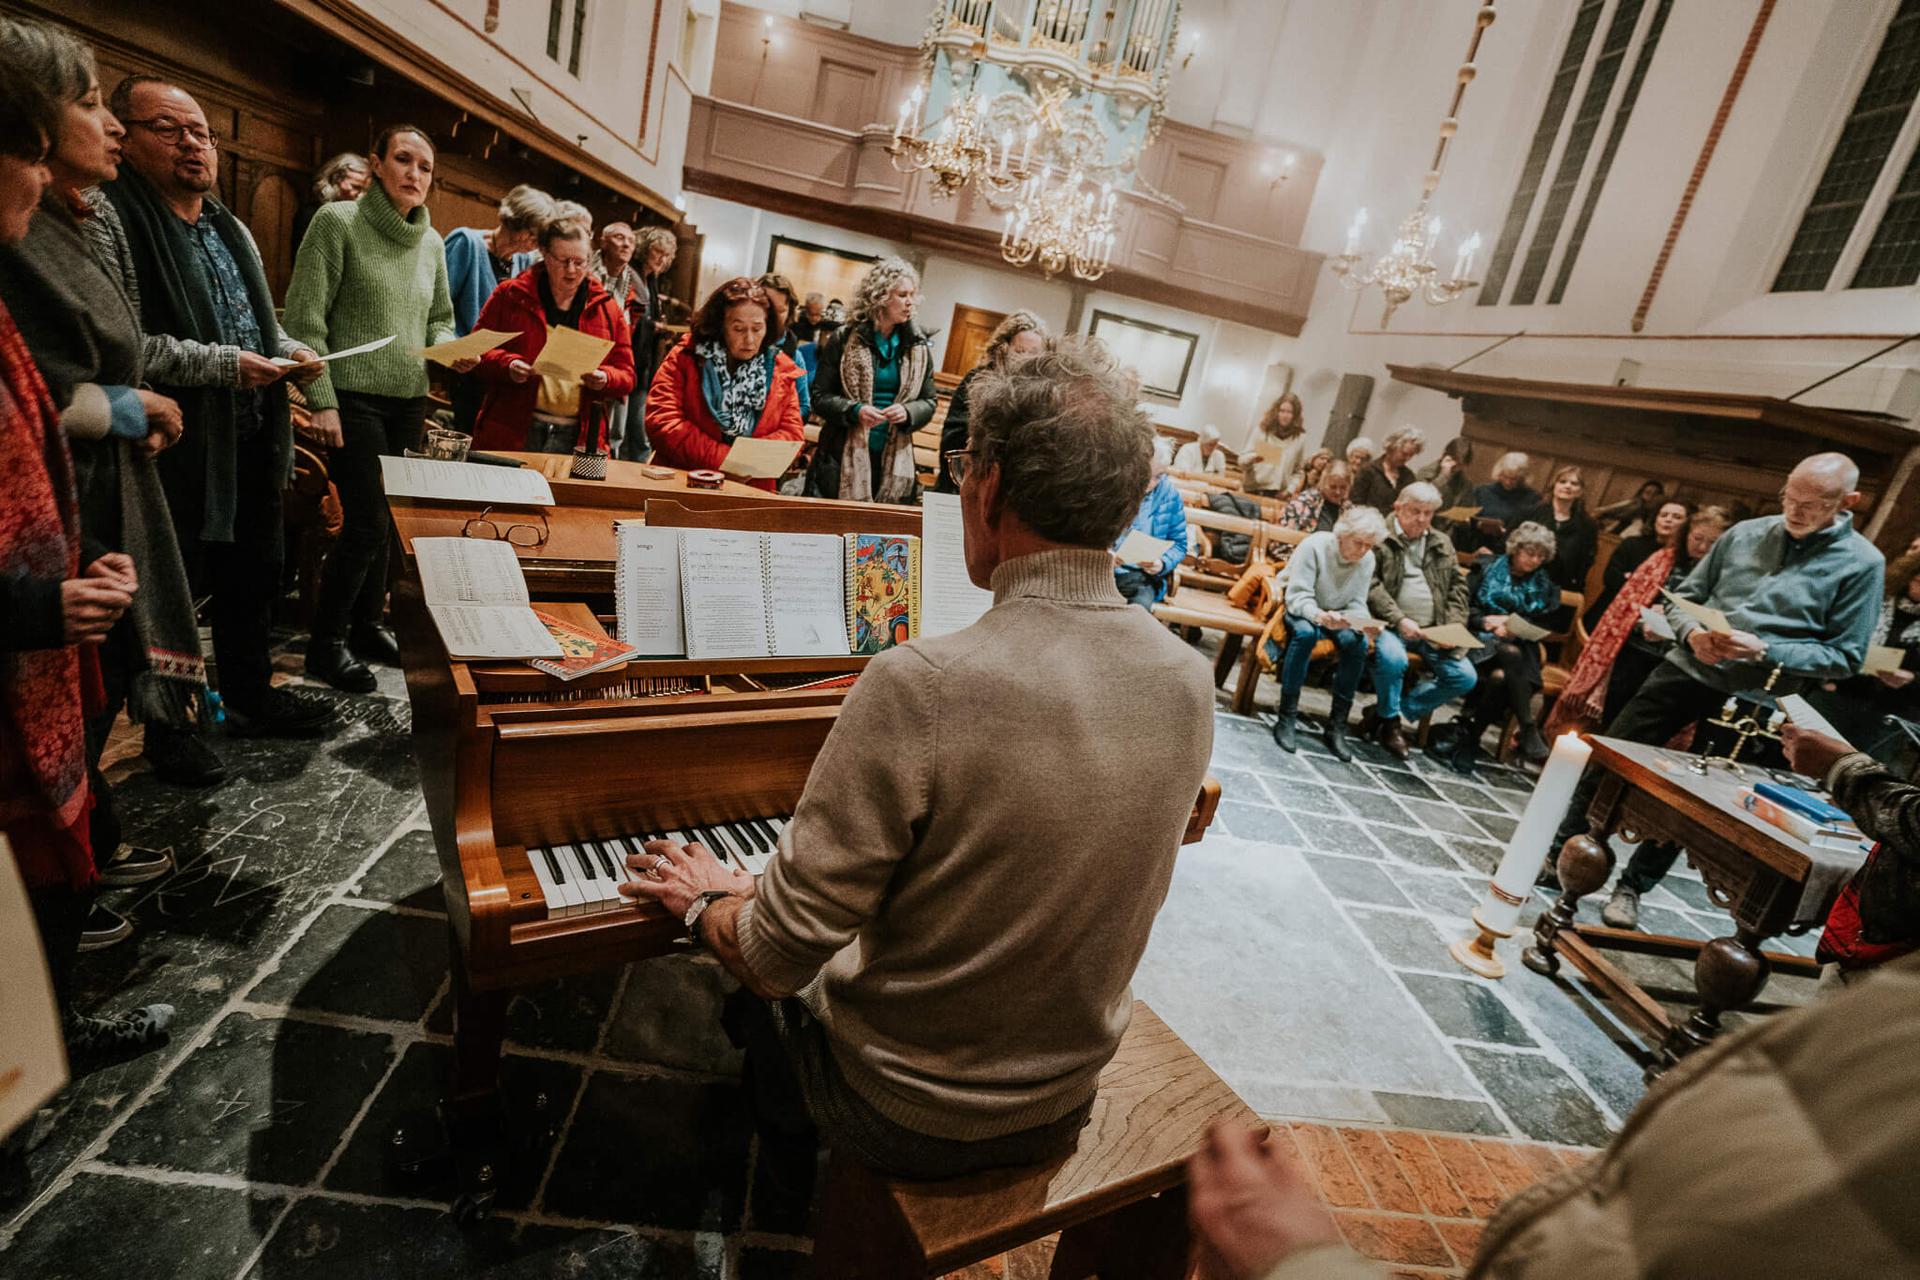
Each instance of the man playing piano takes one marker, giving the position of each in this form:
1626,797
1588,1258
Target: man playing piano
939,956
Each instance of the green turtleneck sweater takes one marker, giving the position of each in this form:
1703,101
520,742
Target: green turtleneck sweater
364,272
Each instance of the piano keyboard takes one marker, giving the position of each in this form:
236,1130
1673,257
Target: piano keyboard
585,876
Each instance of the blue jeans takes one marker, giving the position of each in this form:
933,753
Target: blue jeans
1449,676
1139,588
1302,635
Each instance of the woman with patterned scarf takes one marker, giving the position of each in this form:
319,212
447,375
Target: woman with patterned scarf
726,380
1509,602
874,390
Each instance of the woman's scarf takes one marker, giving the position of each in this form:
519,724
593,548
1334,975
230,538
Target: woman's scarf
1584,700
43,763
898,481
735,396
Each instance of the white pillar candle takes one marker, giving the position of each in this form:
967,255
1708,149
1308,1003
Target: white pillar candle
1532,842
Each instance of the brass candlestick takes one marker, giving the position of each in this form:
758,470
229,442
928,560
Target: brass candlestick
1745,728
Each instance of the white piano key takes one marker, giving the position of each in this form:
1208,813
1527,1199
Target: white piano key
588,898
566,885
599,882
556,901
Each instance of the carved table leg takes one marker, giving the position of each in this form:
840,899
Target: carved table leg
1584,865
1728,975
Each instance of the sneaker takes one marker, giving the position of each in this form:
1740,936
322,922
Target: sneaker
1623,909
182,757
284,714
104,928
131,1032
131,864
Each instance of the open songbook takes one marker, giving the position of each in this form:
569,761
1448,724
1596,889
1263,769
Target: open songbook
478,599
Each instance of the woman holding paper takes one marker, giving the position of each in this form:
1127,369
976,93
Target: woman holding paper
532,403
1509,602
1328,577
874,391
727,380
369,269
1278,448
1621,651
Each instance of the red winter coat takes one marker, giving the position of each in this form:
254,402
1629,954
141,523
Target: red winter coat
515,307
683,430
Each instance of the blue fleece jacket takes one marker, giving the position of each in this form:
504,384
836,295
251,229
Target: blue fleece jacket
1814,600
469,276
1162,515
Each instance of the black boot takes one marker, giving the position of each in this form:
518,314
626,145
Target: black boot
1466,747
1337,729
371,642
1285,724
330,660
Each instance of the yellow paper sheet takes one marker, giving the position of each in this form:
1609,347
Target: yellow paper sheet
1270,450
570,354
1139,548
477,343
760,459
1459,515
1881,657
1706,615
1452,636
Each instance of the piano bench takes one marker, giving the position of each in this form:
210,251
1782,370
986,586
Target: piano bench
1119,1200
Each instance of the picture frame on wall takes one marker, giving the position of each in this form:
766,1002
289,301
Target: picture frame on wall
1163,357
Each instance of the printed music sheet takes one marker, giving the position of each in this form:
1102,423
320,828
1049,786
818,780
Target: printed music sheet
724,600
477,596
474,482
807,594
648,587
948,599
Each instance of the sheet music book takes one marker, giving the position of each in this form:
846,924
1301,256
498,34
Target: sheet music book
647,589
949,601
478,599
33,1053
464,482
763,595
883,590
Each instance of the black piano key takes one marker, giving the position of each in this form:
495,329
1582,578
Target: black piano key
729,850
714,843
766,830
554,866
745,830
616,863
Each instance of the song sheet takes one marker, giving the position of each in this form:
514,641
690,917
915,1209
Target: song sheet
807,594
569,354
1801,713
1139,548
287,363
1452,635
948,599
648,582
478,600
1459,515
1882,657
464,482
753,459
477,343
1706,615
723,596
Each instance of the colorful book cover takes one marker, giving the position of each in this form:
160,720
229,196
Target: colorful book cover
883,590
1804,802
581,652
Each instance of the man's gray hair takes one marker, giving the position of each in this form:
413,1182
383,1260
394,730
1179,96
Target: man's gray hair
1512,464
814,297
526,208
1361,522
877,284
1406,435
1534,535
1418,494
1074,452
1358,443
1836,471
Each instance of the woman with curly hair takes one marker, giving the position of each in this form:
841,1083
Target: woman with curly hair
1510,601
874,391
726,380
1020,334
1283,428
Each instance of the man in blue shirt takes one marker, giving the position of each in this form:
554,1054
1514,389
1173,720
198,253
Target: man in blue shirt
1162,515
1801,591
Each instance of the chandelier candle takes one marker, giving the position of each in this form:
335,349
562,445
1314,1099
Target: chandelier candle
1498,914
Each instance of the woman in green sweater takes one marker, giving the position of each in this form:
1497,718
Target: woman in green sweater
368,268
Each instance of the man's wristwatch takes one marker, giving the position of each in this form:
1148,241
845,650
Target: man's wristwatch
699,907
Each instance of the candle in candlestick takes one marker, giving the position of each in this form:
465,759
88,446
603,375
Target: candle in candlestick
1498,914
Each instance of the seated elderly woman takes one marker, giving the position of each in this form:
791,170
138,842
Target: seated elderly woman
1360,454
1315,508
525,409
1379,484
1510,600
1328,578
726,380
1504,503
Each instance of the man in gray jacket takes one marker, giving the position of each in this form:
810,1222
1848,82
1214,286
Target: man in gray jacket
1801,591
1417,584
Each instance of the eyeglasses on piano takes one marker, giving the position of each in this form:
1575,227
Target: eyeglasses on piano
519,535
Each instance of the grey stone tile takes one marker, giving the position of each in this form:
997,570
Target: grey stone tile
1466,795
1339,771
105,1227
1444,817
1603,1051
1241,784
1296,796
1504,779
1477,855
408,874
1499,828
372,964
670,1016
1679,924
1411,847
1401,782
654,1152
565,1014
1691,893
263,1098
1466,1010
1260,823
331,1240
1540,1098
1330,835
1406,941
1353,881
1449,1115
1321,1102
1376,806
1444,894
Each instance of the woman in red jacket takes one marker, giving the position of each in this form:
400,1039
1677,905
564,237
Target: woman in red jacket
528,410
724,380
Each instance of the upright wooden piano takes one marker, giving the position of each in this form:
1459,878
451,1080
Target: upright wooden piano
536,788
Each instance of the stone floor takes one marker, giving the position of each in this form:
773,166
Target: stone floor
1301,952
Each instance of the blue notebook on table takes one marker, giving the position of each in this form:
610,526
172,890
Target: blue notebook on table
1803,802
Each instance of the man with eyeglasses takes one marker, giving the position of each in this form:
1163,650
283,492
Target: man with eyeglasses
1801,591
211,339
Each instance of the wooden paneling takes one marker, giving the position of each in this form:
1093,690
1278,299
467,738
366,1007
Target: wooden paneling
967,337
1196,182
272,203
843,94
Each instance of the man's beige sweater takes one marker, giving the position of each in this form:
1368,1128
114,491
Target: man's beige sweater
970,877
